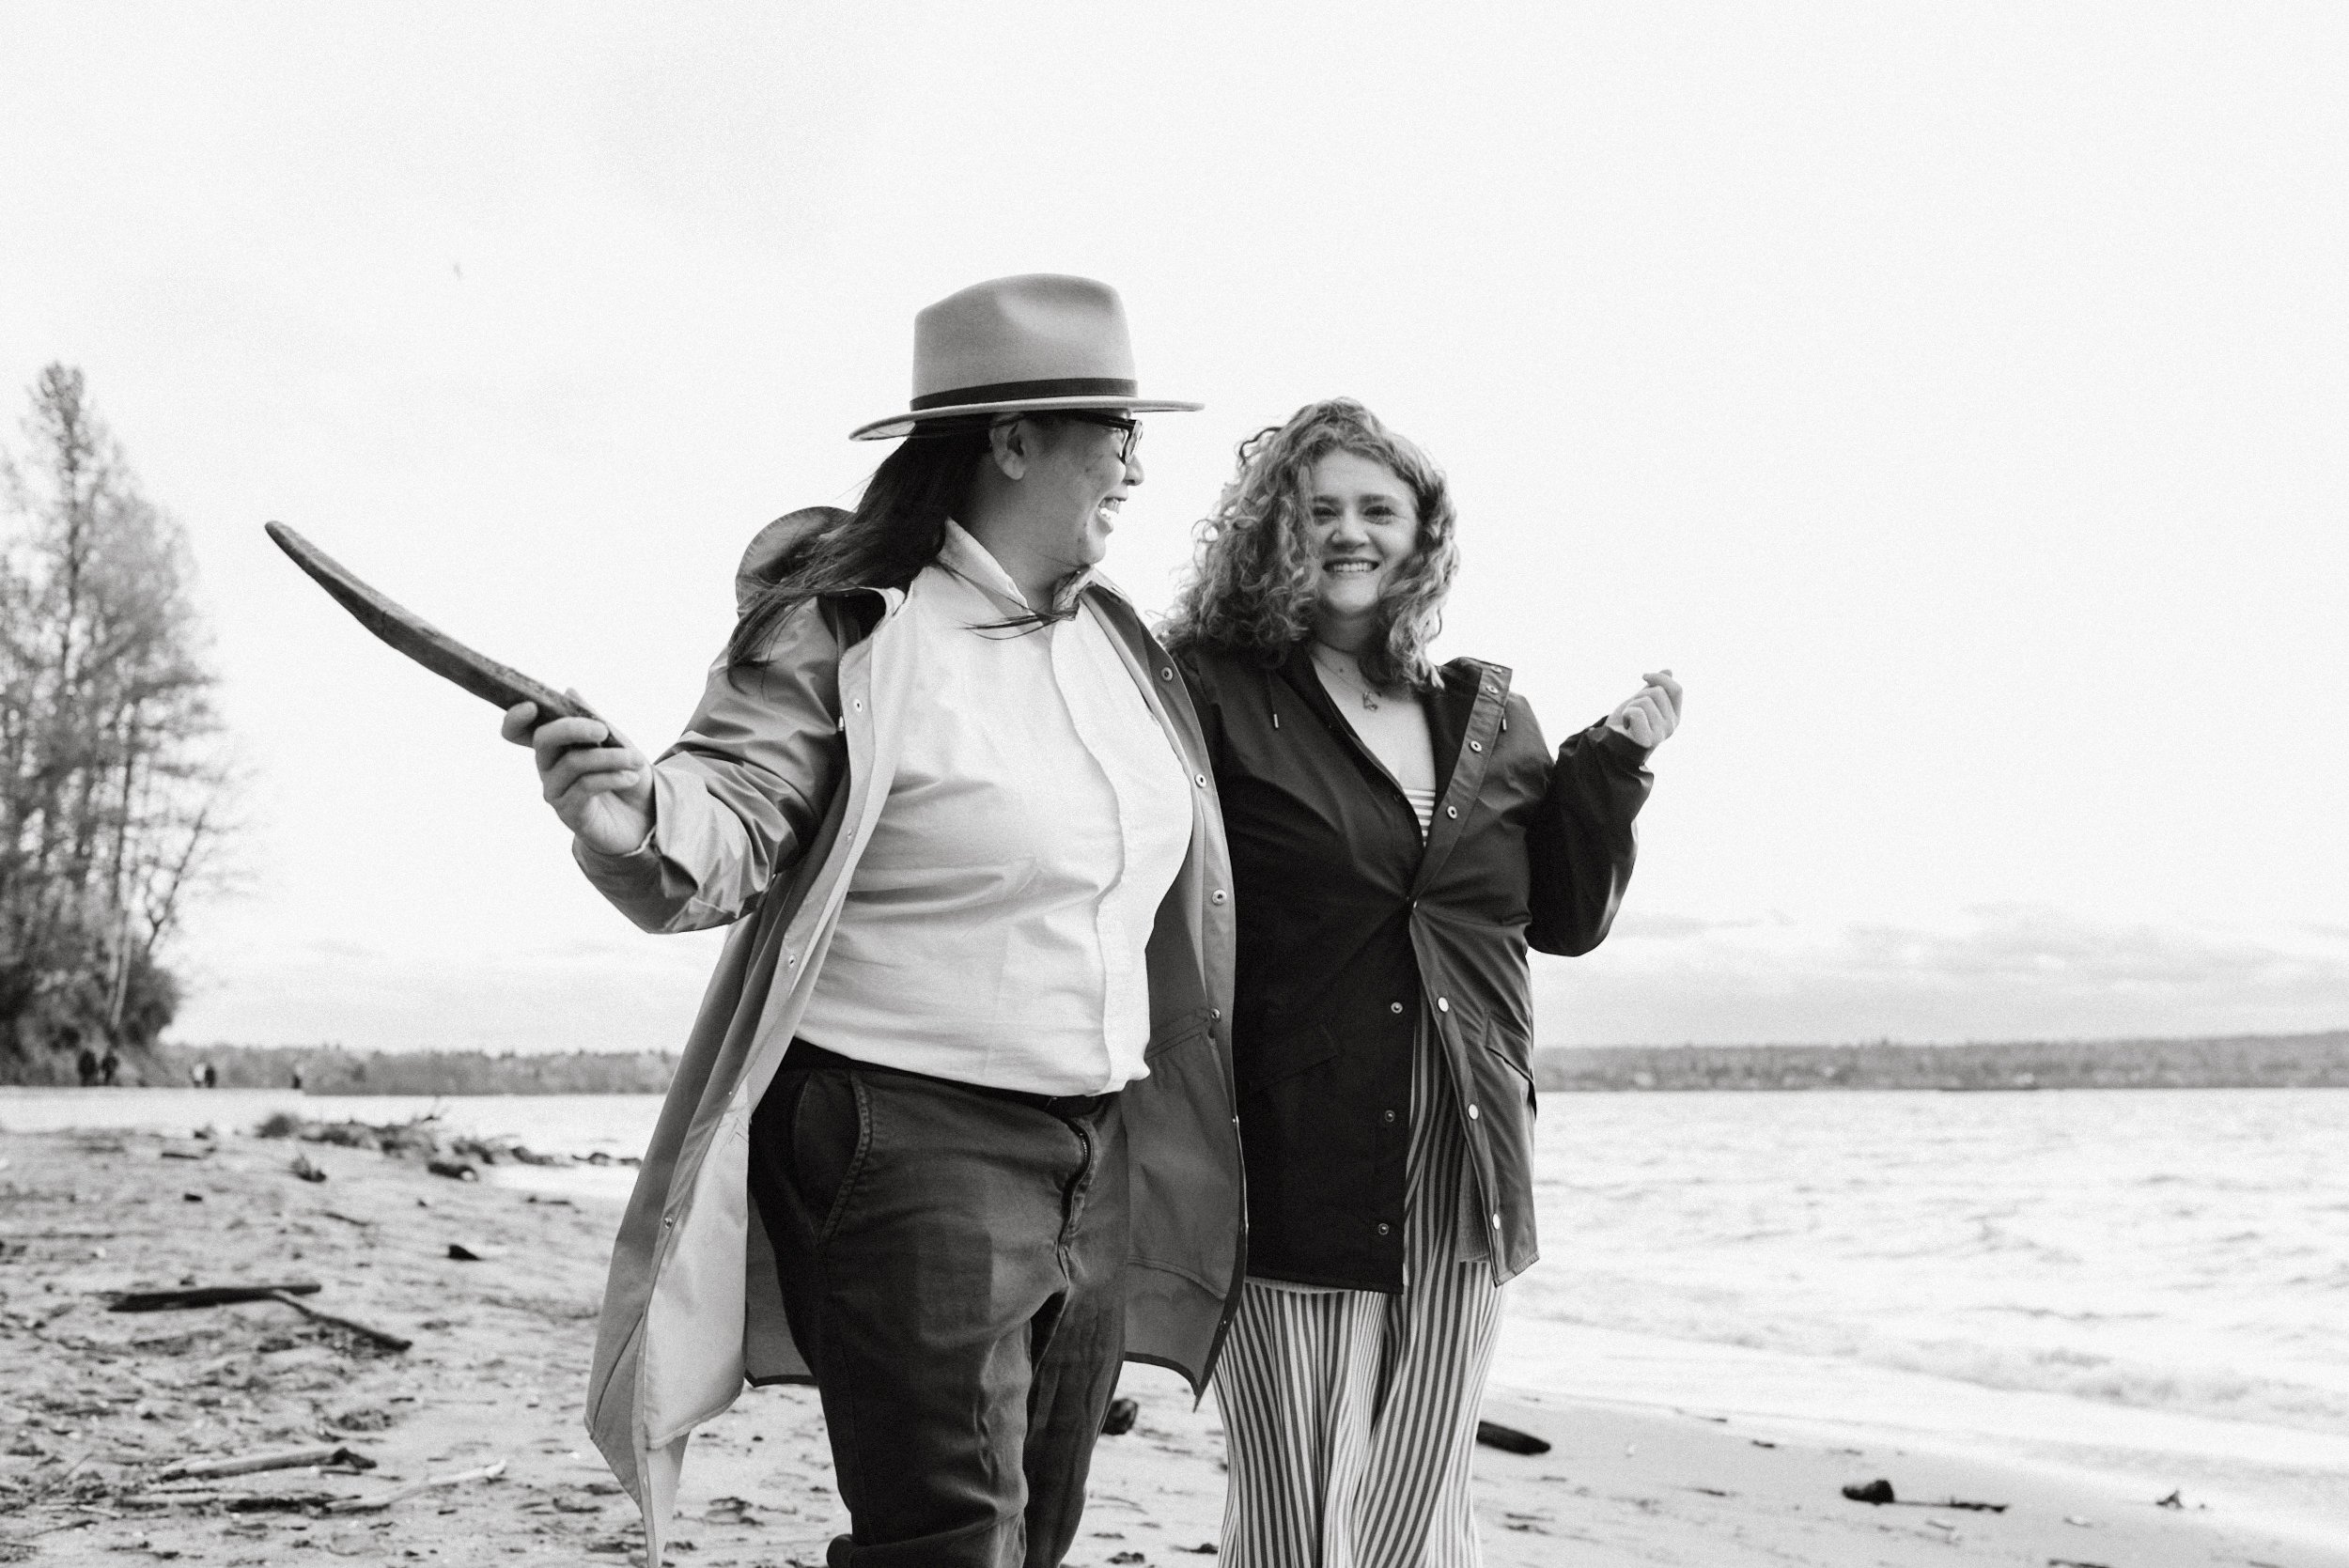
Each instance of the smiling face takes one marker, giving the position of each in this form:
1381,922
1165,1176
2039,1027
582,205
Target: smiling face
1076,484
1364,526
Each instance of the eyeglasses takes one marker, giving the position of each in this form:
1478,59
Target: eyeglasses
1131,428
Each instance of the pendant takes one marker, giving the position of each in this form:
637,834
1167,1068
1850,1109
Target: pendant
1370,701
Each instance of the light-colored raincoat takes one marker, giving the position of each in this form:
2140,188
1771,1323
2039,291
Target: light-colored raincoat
761,811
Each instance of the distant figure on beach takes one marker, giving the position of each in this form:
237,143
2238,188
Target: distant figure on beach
108,1066
948,791
86,1068
1400,834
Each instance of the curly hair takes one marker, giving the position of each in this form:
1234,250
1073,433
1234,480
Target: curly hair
1251,586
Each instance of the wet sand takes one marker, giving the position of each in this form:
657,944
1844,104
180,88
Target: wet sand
96,1405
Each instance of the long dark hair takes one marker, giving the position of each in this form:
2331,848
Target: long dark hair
899,527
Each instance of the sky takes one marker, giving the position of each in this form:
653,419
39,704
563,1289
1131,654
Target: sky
1952,396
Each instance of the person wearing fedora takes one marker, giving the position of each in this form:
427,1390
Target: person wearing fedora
954,1133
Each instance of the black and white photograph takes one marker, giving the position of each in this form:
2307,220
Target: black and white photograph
1383,785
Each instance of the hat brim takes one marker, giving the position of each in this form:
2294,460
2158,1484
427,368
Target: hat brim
903,423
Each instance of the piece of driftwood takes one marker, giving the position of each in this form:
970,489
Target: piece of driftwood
1878,1493
455,1170
429,646
389,1341
1509,1439
372,1505
1120,1417
235,1502
284,1459
205,1295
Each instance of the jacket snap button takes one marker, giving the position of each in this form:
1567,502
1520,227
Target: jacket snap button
1201,779
1394,1007
1382,1227
1215,897
1476,745
1443,1004
1391,1116
1166,674
1495,1222
1452,811
1471,1113
1215,1012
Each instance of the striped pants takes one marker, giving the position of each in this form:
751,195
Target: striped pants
1352,1415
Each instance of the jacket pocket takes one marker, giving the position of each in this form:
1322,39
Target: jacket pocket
1515,1053
1282,1048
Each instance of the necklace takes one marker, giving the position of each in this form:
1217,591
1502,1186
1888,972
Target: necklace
1362,691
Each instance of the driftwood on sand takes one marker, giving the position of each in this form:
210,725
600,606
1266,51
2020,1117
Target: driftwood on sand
288,1294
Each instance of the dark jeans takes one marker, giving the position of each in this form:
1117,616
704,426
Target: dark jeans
952,1267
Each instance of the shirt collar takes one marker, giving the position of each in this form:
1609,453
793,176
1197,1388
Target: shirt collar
969,560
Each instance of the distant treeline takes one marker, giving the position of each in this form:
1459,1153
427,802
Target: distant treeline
331,1070
2241,1062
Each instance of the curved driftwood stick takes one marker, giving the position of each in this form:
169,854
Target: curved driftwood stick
427,644
370,1505
389,1341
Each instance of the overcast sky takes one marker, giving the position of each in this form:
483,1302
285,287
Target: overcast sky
1954,396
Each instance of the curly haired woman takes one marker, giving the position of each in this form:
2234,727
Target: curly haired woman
1400,834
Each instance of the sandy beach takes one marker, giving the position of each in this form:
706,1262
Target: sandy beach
96,1408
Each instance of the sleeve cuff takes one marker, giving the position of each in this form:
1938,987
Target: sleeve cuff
1620,746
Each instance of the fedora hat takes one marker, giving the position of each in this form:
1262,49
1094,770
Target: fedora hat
1032,343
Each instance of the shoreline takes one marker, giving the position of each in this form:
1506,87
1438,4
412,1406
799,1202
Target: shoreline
498,1370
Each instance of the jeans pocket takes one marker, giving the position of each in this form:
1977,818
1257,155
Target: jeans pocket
832,1132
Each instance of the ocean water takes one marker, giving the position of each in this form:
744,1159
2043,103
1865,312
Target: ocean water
2149,1283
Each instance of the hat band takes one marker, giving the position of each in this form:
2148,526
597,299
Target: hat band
1007,392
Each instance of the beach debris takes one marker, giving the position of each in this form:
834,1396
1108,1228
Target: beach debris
205,1295
1510,1440
1127,1556
283,1459
190,1197
456,1478
1762,1442
373,1336
722,1510
303,1168
2172,1501
1879,1494
235,1502
462,1253
1205,1549
2074,1562
1120,1417
455,1170
287,1294
2083,1520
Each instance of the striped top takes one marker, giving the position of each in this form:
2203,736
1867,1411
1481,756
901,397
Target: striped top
1423,802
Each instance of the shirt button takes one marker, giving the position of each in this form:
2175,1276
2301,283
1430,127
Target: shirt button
1383,1227
1471,1113
1443,1004
1215,897
1394,1007
1390,1117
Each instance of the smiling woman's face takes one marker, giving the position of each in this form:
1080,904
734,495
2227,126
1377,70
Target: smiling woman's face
1364,527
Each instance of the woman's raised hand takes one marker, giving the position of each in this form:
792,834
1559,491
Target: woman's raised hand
598,783
1651,714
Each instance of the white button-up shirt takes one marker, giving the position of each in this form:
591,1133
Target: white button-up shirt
994,929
